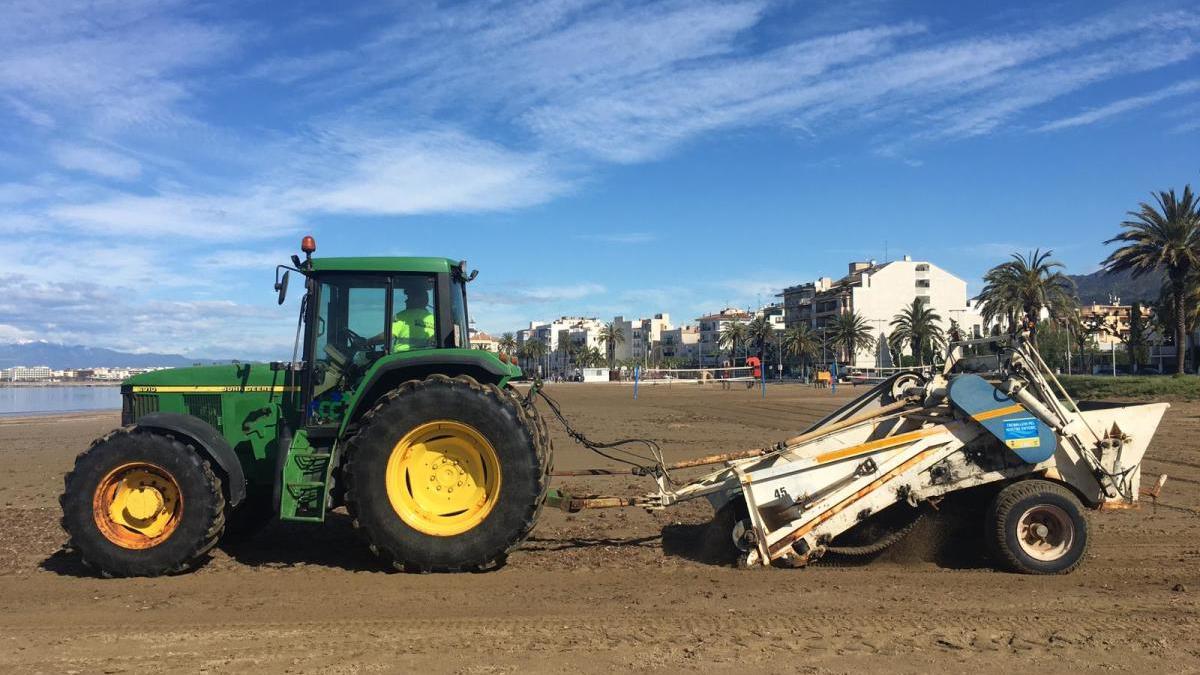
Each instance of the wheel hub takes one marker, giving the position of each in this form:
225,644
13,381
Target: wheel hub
1045,532
137,505
443,478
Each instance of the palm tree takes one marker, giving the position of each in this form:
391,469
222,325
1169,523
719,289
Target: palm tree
611,335
758,333
917,325
801,342
1164,318
508,343
533,350
851,332
569,350
733,335
1018,290
1165,239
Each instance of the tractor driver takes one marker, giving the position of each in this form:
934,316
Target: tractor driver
414,326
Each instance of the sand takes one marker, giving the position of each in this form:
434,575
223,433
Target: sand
605,591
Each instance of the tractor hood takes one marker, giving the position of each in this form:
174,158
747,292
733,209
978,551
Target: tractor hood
233,378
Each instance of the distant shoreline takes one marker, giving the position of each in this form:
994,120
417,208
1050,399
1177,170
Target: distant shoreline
59,384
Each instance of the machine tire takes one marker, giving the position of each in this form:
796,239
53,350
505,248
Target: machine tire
717,545
190,533
519,444
1029,503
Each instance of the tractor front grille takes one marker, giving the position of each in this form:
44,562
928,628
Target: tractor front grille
205,406
134,406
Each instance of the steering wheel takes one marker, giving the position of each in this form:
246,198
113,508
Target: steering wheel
357,342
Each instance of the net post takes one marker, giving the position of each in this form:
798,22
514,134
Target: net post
833,377
636,374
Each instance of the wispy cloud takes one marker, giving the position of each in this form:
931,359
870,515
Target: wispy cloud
96,161
1122,106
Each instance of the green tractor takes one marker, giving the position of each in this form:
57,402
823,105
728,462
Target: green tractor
441,465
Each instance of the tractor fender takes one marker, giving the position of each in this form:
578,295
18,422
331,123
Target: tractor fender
388,374
208,441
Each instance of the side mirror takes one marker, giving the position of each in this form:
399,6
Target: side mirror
281,285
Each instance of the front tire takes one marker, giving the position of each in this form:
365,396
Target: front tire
142,504
1037,527
446,475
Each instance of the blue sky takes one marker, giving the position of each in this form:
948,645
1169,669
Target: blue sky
159,158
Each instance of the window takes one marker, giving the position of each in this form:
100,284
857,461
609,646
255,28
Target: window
922,283
923,267
351,327
458,311
414,315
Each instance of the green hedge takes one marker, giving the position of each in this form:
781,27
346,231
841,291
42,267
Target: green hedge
1153,387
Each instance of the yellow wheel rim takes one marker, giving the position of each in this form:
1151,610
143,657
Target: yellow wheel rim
443,478
137,505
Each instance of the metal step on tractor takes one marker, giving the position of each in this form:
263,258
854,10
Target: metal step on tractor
444,466
384,408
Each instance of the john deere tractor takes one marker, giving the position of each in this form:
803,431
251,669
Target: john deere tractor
441,465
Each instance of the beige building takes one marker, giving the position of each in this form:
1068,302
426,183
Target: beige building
642,337
1110,323
481,340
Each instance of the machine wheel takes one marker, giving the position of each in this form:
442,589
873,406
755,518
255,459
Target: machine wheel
142,504
725,539
1037,527
447,474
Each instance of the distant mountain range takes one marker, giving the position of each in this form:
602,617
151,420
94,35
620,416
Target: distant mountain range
60,357
1098,287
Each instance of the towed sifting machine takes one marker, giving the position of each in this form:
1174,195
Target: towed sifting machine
995,419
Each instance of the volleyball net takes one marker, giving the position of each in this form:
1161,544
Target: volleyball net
706,375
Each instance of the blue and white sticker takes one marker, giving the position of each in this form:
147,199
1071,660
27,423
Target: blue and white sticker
1021,433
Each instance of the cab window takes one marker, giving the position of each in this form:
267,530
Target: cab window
414,314
351,326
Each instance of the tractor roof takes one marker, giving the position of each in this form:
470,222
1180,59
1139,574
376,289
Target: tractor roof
383,264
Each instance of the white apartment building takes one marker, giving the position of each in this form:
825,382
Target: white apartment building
710,327
583,332
29,374
878,292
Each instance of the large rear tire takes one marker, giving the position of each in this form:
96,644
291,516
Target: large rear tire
447,475
1037,527
142,504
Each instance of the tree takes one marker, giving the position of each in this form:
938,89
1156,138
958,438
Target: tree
801,342
569,351
1136,342
508,343
1164,239
533,351
733,335
1018,290
917,325
851,332
1164,320
611,335
955,333
759,333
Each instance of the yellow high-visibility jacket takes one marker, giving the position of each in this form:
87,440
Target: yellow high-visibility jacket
413,329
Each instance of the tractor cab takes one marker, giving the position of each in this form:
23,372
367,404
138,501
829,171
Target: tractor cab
369,320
